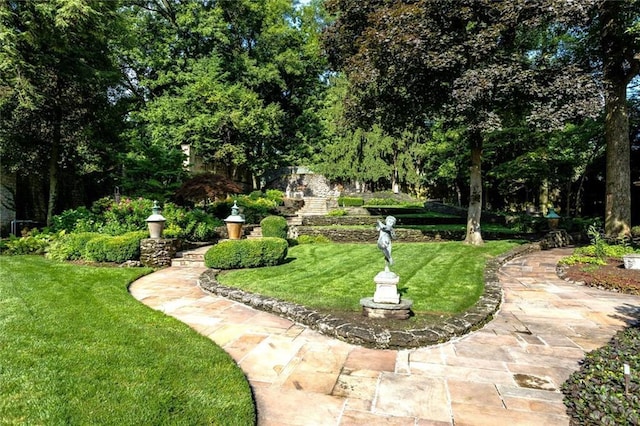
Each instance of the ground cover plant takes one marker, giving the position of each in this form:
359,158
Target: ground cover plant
597,394
600,264
78,349
441,278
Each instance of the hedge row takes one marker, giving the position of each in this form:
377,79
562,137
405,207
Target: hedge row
350,201
235,254
97,247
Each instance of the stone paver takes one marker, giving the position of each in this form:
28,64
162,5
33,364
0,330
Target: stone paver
509,372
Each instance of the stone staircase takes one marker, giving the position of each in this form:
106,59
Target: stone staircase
313,206
255,233
193,258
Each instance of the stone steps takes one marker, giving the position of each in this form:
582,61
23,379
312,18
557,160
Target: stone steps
255,233
313,206
193,258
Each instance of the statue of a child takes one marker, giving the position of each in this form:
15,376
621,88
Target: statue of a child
384,239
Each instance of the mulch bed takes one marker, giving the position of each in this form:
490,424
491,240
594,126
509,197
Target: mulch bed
612,276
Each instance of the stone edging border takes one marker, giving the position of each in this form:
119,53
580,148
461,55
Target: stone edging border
472,319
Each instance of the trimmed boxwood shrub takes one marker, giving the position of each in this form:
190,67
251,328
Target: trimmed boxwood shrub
350,202
70,246
274,226
117,249
236,254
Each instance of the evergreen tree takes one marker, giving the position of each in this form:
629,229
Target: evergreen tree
56,120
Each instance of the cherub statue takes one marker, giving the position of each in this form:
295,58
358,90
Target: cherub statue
384,239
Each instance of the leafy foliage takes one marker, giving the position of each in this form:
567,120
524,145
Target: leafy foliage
56,120
108,217
70,246
207,186
241,87
33,242
596,394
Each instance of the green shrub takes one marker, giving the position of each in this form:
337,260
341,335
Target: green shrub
74,220
274,226
383,202
337,213
635,231
275,195
252,209
126,216
313,239
605,250
33,242
235,254
117,249
595,394
350,201
70,246
578,258
95,250
199,226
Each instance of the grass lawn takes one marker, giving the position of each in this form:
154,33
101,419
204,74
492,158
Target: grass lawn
76,348
440,278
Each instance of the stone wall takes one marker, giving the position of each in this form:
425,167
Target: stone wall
340,235
158,252
372,220
380,337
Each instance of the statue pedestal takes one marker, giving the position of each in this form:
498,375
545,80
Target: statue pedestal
386,288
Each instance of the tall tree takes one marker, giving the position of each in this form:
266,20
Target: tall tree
55,73
620,55
478,63
237,80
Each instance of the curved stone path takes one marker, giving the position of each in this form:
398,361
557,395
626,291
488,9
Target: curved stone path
509,372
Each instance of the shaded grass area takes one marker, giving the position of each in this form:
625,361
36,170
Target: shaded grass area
78,349
441,278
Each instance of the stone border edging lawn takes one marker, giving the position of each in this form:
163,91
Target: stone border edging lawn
378,337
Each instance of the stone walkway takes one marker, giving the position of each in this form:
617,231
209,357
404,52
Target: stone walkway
509,372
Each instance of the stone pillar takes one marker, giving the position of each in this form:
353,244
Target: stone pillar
158,252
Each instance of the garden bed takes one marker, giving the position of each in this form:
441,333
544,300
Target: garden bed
613,276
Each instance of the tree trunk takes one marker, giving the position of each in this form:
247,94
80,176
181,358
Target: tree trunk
543,196
474,236
615,80
53,179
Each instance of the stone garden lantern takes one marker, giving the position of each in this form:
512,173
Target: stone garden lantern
234,223
553,218
155,222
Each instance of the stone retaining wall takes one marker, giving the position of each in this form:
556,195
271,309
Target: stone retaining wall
338,235
371,220
158,252
380,337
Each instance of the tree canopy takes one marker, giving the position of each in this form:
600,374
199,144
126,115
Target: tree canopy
442,98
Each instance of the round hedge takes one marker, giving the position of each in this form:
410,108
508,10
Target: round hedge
274,226
236,254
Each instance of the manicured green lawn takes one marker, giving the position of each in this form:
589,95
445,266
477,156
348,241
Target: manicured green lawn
76,348
440,278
